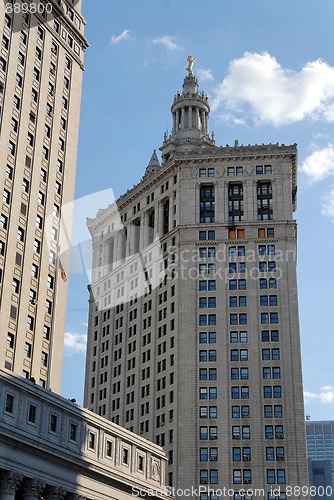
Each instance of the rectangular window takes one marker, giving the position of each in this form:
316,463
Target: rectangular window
109,448
235,203
36,74
7,21
263,169
281,476
53,423
27,350
30,139
44,359
271,476
11,148
46,332
73,432
264,201
278,411
45,153
3,221
9,405
10,340
32,413
5,42
19,80
30,323
207,204
91,441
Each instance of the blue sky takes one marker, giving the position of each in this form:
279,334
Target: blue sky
268,69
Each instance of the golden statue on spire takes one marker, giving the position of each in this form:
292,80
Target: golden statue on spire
191,61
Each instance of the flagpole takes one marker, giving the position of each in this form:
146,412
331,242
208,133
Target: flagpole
53,319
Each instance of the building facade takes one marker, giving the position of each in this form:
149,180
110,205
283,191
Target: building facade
321,481
193,336
41,67
320,446
50,448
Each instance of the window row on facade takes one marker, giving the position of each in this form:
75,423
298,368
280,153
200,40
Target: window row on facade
70,430
236,208
235,171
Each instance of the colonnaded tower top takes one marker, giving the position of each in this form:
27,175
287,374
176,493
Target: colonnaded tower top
190,111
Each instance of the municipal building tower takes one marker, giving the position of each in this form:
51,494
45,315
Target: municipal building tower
193,335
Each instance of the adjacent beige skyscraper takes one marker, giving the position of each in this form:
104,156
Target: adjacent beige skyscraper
41,67
193,326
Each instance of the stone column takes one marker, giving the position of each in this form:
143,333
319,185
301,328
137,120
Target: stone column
131,244
197,119
54,493
158,225
224,202
174,123
119,247
143,236
203,121
111,254
177,120
32,489
250,199
182,117
9,483
190,111
197,203
108,255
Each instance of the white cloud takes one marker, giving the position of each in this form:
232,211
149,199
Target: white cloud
319,164
325,396
169,42
258,84
120,38
328,205
204,74
75,343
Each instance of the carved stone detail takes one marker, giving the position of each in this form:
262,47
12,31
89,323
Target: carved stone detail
155,469
32,488
54,492
10,481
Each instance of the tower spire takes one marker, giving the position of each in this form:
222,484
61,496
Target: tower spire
153,165
190,111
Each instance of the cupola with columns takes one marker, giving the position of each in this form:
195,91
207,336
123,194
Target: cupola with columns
190,111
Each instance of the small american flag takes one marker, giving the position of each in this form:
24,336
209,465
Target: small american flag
63,274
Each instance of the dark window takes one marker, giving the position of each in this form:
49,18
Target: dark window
264,201
32,414
166,217
207,204
235,202
9,403
73,432
53,423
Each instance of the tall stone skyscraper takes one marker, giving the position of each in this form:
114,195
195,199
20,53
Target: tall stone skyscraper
41,67
193,328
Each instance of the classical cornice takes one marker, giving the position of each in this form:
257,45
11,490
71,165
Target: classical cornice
197,155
